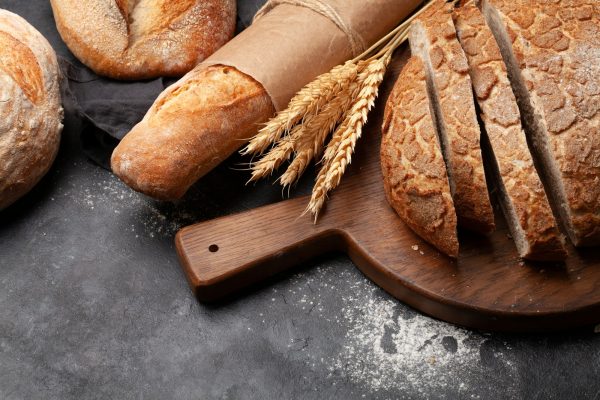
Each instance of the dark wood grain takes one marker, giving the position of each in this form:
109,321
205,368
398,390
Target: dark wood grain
488,287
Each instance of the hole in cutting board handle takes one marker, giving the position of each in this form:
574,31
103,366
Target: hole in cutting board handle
213,248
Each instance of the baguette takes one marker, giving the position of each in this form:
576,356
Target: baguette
213,111
30,107
414,172
521,193
142,39
552,51
192,127
433,38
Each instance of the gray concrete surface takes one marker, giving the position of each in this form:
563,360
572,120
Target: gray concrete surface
93,305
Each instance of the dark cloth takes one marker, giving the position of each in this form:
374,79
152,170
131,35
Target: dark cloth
107,108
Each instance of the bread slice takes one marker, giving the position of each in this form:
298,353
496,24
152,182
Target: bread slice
414,172
521,193
433,38
552,51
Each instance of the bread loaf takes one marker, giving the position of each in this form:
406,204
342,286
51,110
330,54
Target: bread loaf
521,193
213,111
140,39
552,51
192,127
414,172
30,107
433,38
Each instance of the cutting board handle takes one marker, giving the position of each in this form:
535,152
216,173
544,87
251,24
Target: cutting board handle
225,254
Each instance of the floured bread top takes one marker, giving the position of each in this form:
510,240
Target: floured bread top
30,107
137,39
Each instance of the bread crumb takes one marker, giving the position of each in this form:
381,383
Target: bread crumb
415,247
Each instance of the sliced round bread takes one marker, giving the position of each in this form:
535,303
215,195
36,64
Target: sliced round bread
521,194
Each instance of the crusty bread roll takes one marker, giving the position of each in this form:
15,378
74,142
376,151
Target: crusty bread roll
201,120
552,51
414,172
521,193
433,38
140,39
30,107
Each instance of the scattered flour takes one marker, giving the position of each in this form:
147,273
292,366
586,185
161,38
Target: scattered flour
153,217
391,348
384,350
387,347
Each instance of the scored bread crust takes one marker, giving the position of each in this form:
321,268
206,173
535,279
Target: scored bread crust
30,107
194,125
414,172
141,39
554,48
433,38
522,195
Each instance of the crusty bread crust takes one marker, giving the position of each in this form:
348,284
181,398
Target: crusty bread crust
555,65
525,205
414,172
30,107
192,127
433,38
140,39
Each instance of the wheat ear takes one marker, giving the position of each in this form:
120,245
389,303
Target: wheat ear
341,147
306,102
273,159
315,132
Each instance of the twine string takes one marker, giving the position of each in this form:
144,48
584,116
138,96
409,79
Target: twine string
357,44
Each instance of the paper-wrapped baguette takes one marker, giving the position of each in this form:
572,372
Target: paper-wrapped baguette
213,110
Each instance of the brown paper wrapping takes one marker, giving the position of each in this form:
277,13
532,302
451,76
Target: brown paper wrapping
291,45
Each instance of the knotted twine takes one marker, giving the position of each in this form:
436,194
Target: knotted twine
357,44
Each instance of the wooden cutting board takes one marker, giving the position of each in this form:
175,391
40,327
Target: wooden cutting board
488,287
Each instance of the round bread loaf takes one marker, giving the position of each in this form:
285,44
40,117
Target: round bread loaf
141,39
30,107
